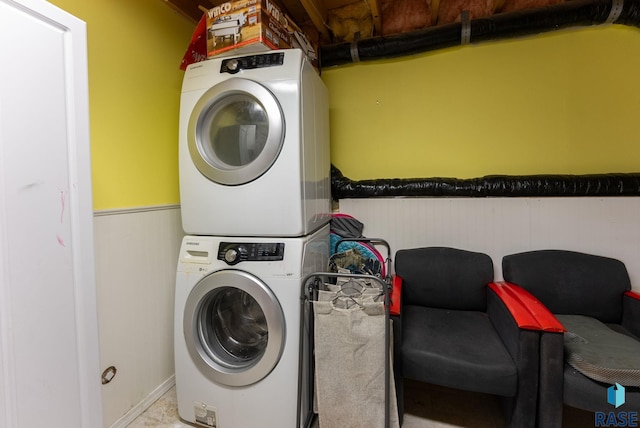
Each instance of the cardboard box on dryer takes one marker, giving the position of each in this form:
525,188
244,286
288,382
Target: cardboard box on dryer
246,26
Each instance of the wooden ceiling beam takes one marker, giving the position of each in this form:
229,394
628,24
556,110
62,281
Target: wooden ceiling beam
317,12
190,9
376,15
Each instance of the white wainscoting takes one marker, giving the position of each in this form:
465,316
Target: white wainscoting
136,258
137,250
500,226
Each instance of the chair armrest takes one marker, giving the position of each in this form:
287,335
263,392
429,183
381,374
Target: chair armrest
522,316
631,312
632,294
520,333
395,313
529,312
516,314
396,295
526,309
512,321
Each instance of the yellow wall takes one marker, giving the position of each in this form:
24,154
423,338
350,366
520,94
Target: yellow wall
565,102
135,49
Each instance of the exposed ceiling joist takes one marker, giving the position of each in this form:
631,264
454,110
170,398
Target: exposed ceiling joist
337,21
313,10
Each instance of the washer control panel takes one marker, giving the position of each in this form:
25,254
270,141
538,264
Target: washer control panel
235,252
234,65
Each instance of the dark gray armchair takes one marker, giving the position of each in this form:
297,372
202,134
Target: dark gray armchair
590,296
460,330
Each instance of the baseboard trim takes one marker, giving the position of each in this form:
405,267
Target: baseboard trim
139,408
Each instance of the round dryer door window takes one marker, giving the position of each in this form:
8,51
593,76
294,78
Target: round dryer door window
234,328
235,132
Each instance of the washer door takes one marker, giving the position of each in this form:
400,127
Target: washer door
234,328
235,132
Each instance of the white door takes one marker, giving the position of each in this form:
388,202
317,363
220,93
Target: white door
49,359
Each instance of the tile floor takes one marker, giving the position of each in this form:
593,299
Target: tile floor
426,406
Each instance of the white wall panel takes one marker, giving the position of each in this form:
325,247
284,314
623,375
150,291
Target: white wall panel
136,258
500,226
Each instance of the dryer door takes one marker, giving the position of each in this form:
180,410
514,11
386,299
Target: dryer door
234,328
235,132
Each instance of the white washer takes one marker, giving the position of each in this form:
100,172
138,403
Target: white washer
241,352
254,146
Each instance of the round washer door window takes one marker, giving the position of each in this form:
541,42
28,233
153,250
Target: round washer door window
235,132
234,328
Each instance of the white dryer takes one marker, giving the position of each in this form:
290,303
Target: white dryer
254,146
241,355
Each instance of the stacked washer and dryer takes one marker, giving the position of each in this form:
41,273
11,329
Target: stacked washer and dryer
255,201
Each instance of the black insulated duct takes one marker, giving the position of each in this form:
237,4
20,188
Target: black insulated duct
573,13
489,186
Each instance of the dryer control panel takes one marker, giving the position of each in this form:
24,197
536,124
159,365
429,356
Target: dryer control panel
234,65
235,252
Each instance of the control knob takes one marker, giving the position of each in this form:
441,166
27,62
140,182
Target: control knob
231,255
232,65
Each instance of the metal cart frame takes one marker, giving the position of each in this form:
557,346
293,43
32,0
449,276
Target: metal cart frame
311,285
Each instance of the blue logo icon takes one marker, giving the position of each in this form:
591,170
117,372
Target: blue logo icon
615,395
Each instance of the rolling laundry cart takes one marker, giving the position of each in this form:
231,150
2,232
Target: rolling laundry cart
346,318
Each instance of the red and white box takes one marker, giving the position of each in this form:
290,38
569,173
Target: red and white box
246,26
